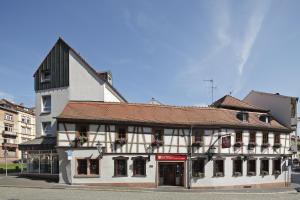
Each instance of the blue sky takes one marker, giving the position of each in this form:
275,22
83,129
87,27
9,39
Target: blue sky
162,49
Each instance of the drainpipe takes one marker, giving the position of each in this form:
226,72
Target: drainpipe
189,168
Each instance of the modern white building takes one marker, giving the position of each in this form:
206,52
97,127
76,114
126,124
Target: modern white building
62,76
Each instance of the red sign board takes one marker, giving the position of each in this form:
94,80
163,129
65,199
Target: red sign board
171,157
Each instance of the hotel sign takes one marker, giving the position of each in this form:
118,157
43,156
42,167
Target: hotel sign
170,157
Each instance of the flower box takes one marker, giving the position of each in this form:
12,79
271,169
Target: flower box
277,145
276,172
237,174
199,174
157,143
198,144
265,145
251,173
238,144
219,174
251,145
121,141
263,173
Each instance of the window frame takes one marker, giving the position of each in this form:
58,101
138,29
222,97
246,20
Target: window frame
120,158
79,137
249,173
265,138
234,172
9,127
262,166
88,167
8,117
201,172
44,108
43,76
44,130
274,166
136,159
215,161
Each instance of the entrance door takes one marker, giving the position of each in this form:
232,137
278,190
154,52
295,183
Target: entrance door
171,174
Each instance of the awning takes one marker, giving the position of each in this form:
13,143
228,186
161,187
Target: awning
40,143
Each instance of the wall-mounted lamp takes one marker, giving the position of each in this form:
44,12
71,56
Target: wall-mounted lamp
100,149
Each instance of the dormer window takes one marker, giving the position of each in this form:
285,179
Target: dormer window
243,116
45,76
265,118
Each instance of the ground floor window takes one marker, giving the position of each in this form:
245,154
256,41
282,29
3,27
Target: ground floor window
198,167
264,167
87,167
120,166
237,167
277,166
251,167
218,168
139,166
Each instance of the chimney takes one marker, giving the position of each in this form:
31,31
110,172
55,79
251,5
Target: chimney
107,76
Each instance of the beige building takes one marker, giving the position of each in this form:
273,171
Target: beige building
17,125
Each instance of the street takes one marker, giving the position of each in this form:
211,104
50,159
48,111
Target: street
16,188
71,194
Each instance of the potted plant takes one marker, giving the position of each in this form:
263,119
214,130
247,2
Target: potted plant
121,141
276,145
238,144
219,174
251,173
276,172
237,174
157,143
265,145
263,173
251,145
198,143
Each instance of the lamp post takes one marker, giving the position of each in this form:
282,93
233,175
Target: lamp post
100,149
5,155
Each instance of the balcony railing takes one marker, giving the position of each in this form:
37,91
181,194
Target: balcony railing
9,133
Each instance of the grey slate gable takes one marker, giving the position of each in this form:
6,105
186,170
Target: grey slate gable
57,62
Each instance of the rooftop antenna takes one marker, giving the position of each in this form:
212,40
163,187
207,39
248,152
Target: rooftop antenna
213,87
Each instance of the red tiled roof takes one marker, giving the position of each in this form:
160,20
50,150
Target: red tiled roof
161,114
233,103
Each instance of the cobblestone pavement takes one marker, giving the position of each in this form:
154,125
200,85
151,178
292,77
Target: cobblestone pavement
14,188
11,193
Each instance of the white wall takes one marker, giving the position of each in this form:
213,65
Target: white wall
59,99
109,95
84,86
280,107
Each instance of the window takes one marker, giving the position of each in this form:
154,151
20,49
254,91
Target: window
237,167
198,167
277,138
8,127
158,137
120,166
264,167
239,136
46,126
82,166
253,137
23,119
81,134
277,166
94,166
265,140
8,117
45,76
139,166
28,131
198,137
28,120
265,118
251,167
243,116
218,168
87,167
121,137
46,104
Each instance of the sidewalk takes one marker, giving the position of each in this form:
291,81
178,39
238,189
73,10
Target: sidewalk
20,182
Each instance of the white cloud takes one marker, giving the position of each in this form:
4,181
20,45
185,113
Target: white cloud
254,26
4,95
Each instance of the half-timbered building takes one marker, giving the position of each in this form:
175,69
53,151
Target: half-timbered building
230,143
